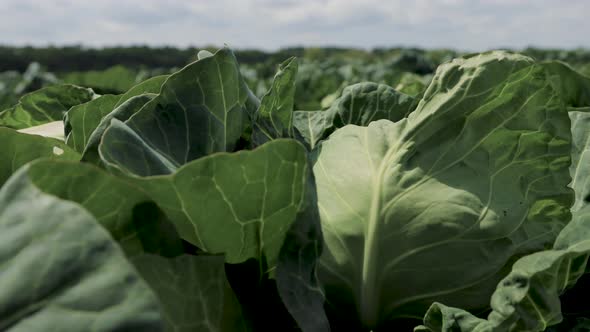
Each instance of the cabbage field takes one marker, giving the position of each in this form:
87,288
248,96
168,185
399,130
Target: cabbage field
413,191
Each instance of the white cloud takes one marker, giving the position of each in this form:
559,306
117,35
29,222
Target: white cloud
269,24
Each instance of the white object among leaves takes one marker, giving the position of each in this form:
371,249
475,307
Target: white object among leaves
52,129
57,151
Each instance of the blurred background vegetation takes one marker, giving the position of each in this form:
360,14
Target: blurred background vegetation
323,72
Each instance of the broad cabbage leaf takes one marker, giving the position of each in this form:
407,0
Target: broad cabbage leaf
437,206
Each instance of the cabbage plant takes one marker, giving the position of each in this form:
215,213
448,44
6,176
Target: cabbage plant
446,205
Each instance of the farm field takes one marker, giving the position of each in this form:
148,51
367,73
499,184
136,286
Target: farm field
304,190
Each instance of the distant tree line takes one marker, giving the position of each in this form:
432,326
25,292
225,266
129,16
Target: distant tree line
78,58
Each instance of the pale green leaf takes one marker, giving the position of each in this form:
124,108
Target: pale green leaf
61,271
479,172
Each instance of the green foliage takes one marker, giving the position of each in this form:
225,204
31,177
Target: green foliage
274,117
82,120
359,104
62,271
20,148
116,79
183,122
13,84
400,197
443,180
44,105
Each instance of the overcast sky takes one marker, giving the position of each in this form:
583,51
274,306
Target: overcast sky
270,24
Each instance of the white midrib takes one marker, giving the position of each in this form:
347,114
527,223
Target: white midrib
369,299
225,111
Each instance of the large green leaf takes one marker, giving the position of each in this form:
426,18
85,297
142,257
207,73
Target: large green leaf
194,293
200,110
296,275
573,87
151,85
252,205
121,113
359,104
274,117
437,206
44,105
61,271
82,120
20,149
528,298
116,204
192,290
580,170
241,204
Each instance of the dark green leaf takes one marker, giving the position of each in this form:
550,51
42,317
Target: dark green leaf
122,113
194,293
81,121
296,276
200,110
240,204
360,104
274,117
